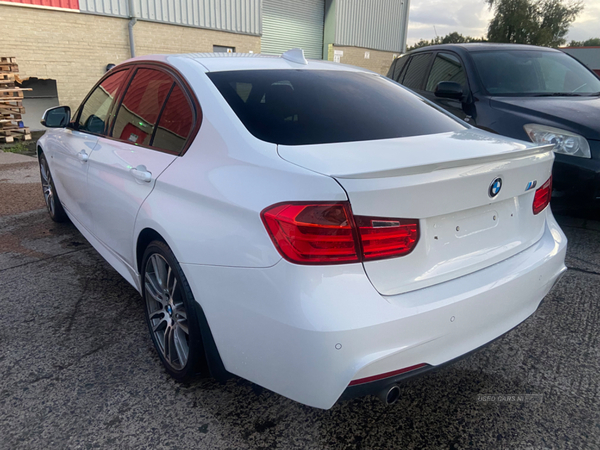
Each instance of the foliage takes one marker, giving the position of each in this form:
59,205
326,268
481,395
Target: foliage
452,38
593,42
535,22
16,148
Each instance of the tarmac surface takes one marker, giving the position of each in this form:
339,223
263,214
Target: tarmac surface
79,371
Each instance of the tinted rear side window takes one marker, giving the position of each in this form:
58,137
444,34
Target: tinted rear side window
176,122
141,106
298,107
396,68
417,71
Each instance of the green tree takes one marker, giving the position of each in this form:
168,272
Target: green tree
451,38
593,42
536,22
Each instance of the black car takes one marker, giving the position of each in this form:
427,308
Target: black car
521,91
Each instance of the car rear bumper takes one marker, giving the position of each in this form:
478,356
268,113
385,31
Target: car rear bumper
307,332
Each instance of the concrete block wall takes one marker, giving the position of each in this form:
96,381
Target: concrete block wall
74,48
154,37
378,61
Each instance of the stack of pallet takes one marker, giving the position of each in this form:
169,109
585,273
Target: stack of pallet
11,103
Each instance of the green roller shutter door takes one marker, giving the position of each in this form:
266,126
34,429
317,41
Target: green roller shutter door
289,24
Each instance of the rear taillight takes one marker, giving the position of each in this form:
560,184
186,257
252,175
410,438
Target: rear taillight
328,233
312,232
542,196
387,238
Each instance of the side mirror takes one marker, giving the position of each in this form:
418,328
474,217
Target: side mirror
449,89
57,117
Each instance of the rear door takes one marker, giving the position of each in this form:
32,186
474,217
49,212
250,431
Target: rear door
75,144
150,129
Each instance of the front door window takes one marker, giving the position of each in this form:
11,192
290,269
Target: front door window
94,112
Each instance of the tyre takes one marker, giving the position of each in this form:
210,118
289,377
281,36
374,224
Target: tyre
171,313
55,208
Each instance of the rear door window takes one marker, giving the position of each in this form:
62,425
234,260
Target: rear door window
446,67
140,108
175,123
296,107
417,71
95,109
396,68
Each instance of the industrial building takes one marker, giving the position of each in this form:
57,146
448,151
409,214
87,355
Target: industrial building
64,46
590,56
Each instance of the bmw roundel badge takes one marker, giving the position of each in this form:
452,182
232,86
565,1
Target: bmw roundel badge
495,187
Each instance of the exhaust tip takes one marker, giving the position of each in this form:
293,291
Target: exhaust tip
390,395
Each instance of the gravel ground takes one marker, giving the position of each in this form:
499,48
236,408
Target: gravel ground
20,188
78,368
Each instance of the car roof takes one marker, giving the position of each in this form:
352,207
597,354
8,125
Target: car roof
217,62
482,47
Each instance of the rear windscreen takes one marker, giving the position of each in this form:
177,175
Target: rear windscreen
298,107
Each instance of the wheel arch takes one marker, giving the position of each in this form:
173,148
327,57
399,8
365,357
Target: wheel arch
146,236
212,358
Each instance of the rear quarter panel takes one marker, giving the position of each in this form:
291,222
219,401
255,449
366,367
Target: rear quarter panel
207,204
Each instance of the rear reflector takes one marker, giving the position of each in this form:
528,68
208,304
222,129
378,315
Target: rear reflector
542,196
386,375
328,233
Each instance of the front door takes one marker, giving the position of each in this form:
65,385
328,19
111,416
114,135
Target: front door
448,67
74,145
69,169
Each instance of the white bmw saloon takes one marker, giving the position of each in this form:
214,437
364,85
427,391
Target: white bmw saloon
312,227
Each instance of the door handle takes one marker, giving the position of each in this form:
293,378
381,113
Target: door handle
83,156
142,174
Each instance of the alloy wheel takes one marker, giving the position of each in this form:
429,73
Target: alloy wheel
47,186
166,312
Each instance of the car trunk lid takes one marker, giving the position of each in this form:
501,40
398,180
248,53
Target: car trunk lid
444,181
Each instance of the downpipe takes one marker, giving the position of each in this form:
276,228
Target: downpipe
132,22
389,395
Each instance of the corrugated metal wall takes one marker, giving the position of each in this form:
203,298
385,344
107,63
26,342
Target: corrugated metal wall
117,8
590,56
237,16
289,24
376,24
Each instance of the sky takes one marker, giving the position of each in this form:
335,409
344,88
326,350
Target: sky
471,18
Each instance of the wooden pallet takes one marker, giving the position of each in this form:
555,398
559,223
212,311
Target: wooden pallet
10,117
15,129
11,103
7,139
8,102
12,109
13,68
22,137
10,92
14,93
